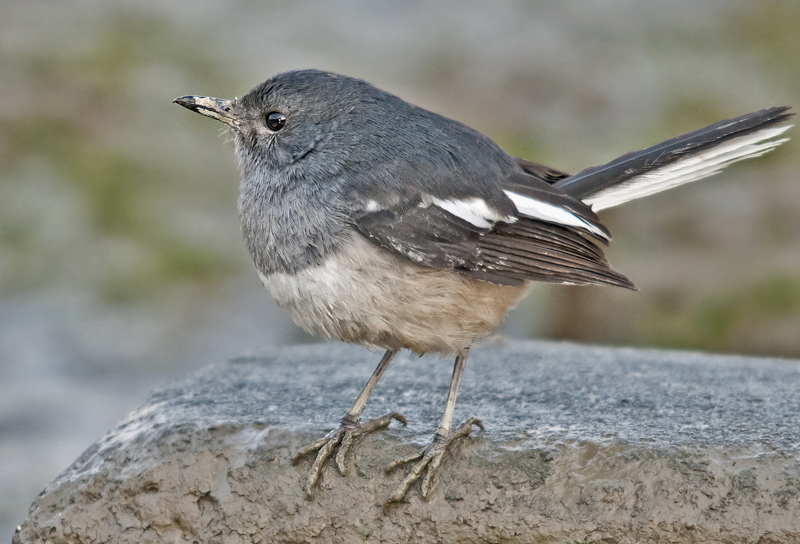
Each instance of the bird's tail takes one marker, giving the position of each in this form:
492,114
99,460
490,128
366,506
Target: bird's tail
687,158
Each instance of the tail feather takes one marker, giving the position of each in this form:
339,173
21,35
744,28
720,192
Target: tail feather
684,159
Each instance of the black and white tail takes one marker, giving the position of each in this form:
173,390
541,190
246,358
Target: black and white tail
684,159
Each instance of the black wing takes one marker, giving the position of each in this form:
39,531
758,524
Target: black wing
506,252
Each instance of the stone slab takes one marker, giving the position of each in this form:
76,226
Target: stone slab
582,444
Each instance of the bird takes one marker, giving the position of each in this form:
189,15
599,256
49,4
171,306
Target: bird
379,223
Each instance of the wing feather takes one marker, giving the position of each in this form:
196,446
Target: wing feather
506,254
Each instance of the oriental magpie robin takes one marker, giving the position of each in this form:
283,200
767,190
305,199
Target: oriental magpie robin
379,223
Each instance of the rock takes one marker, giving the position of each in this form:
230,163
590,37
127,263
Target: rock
582,444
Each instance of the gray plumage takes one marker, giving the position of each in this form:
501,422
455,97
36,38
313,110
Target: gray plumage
377,222
301,189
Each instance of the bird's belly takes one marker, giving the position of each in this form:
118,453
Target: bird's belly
366,295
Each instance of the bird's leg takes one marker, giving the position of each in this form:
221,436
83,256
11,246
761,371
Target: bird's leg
349,428
431,456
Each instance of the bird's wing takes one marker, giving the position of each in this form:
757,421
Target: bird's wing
545,238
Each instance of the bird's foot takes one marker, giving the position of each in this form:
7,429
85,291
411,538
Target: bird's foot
429,458
342,437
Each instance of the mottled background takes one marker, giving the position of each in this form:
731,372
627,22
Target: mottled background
121,265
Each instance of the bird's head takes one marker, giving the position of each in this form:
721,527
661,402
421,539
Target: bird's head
301,122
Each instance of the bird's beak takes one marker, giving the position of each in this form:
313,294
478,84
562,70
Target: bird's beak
216,108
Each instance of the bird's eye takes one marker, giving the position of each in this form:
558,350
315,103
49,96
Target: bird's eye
276,120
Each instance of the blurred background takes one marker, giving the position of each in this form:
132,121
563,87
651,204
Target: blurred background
121,263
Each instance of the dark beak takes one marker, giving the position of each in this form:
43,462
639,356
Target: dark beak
216,108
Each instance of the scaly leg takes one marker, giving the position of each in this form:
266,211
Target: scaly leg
431,456
349,428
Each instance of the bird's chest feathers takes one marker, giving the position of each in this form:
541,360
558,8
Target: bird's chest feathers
288,227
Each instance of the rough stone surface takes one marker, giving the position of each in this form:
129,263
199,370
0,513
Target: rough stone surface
583,444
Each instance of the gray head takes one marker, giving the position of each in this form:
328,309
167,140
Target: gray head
315,146
279,124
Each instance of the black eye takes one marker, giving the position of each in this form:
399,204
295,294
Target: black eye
275,120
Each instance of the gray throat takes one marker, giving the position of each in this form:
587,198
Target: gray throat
288,225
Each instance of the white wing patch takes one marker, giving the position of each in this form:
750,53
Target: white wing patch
689,169
473,210
552,214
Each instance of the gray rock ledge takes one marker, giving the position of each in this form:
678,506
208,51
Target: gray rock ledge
583,444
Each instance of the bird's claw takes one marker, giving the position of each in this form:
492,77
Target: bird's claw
341,437
430,458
